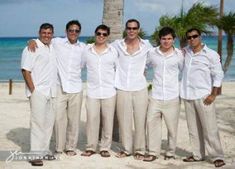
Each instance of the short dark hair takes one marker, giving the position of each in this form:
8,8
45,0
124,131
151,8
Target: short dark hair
193,29
133,20
166,31
73,22
103,27
46,26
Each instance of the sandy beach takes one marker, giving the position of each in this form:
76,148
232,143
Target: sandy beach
14,135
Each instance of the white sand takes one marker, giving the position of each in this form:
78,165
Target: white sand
14,135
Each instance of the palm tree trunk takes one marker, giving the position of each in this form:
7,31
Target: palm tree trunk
113,17
220,36
229,53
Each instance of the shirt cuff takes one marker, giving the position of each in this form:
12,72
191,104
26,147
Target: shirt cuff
217,83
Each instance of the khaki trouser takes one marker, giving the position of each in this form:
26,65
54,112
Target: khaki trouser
203,130
169,109
41,122
96,108
68,111
132,105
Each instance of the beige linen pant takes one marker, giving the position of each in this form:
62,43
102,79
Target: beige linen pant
132,106
203,130
169,109
96,108
41,122
68,110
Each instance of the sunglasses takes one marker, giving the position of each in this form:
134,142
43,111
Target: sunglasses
103,34
192,37
73,30
132,28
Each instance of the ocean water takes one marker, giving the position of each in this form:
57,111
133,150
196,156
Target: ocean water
11,49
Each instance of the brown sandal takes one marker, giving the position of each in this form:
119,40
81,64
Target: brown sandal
139,156
122,154
88,153
219,163
191,159
36,162
104,153
169,157
70,152
149,158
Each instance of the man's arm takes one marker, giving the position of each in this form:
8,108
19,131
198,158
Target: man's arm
212,96
28,80
217,77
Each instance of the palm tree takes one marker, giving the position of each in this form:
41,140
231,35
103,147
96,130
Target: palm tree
199,16
113,17
227,23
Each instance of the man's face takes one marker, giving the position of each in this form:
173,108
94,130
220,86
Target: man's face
73,33
101,36
45,36
194,39
167,41
132,30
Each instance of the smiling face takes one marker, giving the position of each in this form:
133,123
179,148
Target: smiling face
45,35
73,33
101,36
132,30
167,42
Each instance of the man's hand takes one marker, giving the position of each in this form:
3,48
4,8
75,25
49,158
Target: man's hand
28,80
32,45
209,99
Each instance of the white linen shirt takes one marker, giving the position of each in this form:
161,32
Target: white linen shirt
42,65
166,73
69,64
100,72
202,72
130,67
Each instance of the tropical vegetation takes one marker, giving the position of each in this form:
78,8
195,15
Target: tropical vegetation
227,24
199,16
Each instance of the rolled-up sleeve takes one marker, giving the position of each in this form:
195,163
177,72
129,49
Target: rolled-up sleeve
216,71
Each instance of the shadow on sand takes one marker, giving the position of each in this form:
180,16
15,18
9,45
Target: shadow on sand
21,137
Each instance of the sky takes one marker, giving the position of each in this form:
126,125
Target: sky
20,18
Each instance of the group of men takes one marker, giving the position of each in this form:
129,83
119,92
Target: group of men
115,79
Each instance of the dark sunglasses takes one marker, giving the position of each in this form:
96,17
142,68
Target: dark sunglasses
193,36
103,34
132,28
73,30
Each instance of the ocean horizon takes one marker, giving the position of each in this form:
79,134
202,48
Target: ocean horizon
11,49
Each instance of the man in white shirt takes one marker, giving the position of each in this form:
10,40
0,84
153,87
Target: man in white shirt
100,59
132,94
202,76
69,92
40,73
167,63
69,53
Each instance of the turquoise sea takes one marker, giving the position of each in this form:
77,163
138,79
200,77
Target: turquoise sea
11,49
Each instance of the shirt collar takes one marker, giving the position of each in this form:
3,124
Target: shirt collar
92,49
175,51
123,46
40,44
77,43
204,49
